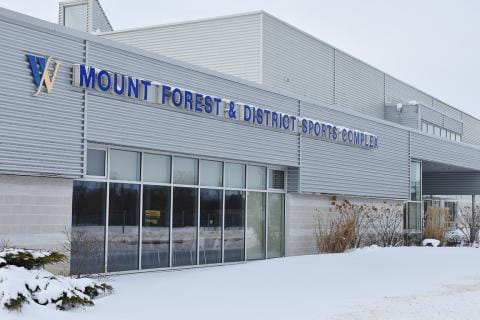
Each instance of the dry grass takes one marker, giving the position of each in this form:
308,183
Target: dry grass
338,236
436,223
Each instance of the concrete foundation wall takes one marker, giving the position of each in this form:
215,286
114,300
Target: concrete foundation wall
35,212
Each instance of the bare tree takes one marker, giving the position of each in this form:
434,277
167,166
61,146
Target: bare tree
83,246
4,244
386,222
468,222
337,236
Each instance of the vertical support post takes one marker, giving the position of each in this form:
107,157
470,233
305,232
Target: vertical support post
474,222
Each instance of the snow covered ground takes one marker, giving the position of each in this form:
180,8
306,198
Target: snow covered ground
371,283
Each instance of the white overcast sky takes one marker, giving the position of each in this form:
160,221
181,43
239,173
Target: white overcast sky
433,45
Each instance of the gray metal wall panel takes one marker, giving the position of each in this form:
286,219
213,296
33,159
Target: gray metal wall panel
397,91
296,62
293,179
339,169
124,122
229,45
99,19
410,117
451,183
44,134
471,129
452,124
425,147
407,116
391,114
431,116
358,86
157,70
447,109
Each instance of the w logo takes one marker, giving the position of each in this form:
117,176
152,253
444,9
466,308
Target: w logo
40,70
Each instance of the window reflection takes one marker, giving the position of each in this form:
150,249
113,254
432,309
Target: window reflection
210,238
184,232
185,171
88,227
123,227
256,225
276,209
187,231
155,227
234,246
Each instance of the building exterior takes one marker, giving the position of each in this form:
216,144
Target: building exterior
144,149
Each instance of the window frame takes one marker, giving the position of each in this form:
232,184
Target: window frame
107,179
99,148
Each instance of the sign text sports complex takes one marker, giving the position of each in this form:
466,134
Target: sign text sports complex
144,90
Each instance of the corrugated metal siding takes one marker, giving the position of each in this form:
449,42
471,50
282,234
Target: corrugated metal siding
296,62
391,114
99,19
43,134
425,147
135,124
431,116
141,126
471,130
451,183
408,116
358,86
228,45
446,109
144,67
337,169
293,179
397,91
452,124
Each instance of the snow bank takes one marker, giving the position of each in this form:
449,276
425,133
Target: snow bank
430,243
305,287
23,281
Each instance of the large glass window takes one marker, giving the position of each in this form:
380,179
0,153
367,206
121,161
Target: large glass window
234,175
234,234
211,173
185,171
415,181
76,17
88,227
124,165
174,211
96,162
414,222
210,238
184,237
276,179
256,177
155,227
156,168
275,232
256,225
123,226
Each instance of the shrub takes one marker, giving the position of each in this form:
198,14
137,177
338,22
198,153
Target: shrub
29,259
22,281
15,304
357,225
338,236
436,224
